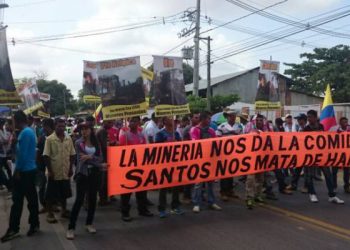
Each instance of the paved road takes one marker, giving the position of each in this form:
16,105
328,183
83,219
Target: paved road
290,223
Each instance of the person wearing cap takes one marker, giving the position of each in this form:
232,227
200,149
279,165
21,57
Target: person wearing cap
168,134
59,156
289,125
301,124
282,186
229,128
244,118
87,178
254,183
314,125
199,132
341,128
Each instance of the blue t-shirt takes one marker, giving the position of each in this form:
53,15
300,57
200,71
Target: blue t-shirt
26,150
165,136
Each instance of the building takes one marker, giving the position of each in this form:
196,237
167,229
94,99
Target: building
244,84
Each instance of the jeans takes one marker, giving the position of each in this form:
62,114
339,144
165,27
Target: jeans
197,193
187,191
5,179
41,182
175,202
345,176
310,173
103,187
141,199
86,185
280,176
24,187
296,177
226,186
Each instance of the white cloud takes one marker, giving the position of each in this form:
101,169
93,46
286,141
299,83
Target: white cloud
66,66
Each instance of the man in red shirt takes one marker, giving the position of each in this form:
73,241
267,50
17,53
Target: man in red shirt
133,135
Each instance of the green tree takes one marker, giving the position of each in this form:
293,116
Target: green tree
197,104
218,102
59,95
323,66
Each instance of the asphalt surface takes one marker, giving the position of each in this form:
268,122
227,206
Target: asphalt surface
292,222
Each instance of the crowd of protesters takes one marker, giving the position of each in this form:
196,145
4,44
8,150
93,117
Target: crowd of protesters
40,158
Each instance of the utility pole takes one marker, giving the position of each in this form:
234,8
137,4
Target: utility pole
208,75
2,6
196,50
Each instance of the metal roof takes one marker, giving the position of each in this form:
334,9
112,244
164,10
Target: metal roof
215,80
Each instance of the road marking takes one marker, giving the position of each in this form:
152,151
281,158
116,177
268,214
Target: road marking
61,233
330,228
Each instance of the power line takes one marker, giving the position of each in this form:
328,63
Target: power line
75,20
170,50
242,17
97,32
286,34
277,30
285,20
31,3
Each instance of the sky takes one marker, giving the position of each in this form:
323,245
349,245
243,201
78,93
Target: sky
30,20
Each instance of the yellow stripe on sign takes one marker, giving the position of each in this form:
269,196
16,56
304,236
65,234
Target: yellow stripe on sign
147,74
91,99
33,108
43,114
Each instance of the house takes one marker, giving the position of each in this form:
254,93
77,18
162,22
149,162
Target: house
244,84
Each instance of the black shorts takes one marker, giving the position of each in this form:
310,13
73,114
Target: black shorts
58,190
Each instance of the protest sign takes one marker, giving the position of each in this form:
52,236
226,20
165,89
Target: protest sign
43,114
29,93
121,86
91,99
90,82
44,96
267,97
153,166
8,93
168,96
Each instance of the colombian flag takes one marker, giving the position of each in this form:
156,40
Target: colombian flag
98,114
327,113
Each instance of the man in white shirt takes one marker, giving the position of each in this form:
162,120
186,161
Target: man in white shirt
151,129
289,125
229,128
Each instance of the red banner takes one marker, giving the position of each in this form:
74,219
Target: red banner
153,166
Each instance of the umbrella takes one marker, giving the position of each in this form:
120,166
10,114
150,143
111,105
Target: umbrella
218,118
